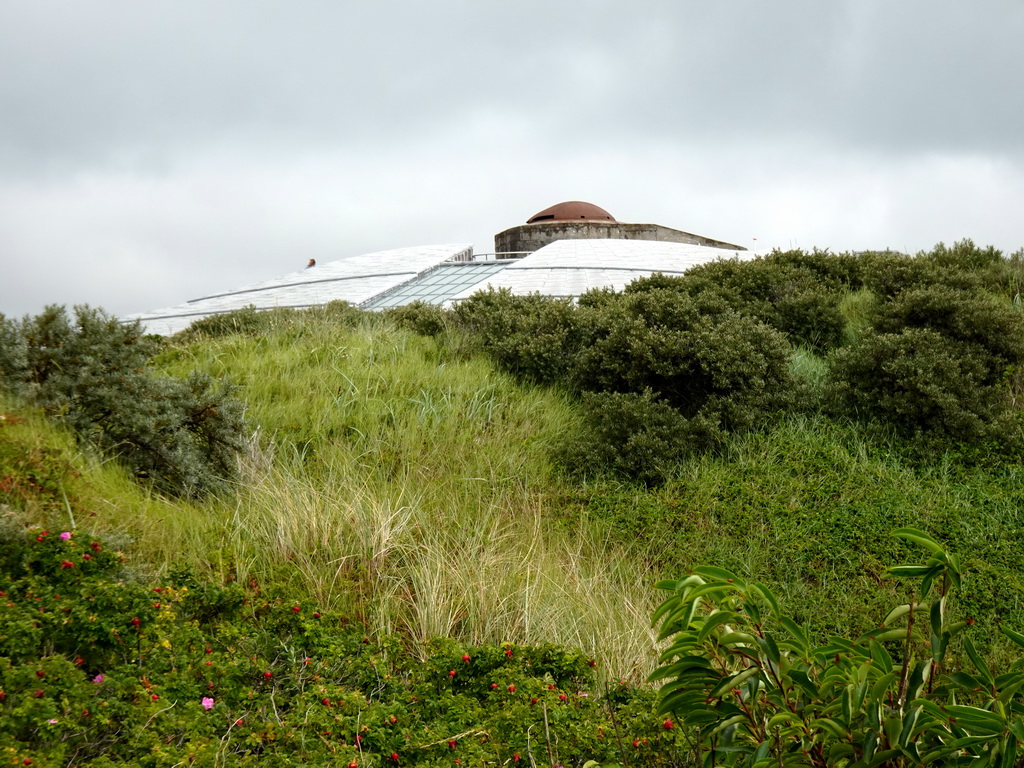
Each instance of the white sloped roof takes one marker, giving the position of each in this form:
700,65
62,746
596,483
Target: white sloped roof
354,279
568,268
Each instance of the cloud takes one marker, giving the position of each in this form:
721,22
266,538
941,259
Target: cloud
150,153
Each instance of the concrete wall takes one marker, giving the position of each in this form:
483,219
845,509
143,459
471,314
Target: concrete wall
530,237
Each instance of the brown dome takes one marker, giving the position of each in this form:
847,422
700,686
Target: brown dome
574,210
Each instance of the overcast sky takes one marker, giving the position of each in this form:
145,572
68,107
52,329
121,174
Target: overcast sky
153,151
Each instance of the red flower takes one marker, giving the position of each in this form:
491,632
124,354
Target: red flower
452,744
465,657
66,564
95,546
508,652
562,697
296,608
136,622
40,673
209,650
668,725
325,702
452,673
268,675
154,697
494,686
87,556
39,694
511,689
515,757
533,701
591,663
316,615
394,757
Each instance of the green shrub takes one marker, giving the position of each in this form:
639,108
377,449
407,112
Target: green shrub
833,270
420,317
800,301
695,354
929,388
534,337
92,373
888,273
636,436
990,326
247,321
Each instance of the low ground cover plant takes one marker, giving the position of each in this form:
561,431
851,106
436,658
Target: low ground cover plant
99,670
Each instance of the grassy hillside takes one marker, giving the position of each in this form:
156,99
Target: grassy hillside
433,493
402,481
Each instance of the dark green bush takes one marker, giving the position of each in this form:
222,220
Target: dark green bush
929,388
695,354
888,273
636,436
991,326
800,301
251,321
833,270
420,317
534,337
248,321
93,374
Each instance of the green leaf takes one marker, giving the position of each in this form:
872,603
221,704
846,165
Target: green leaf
734,720
977,661
976,719
1009,752
797,632
920,538
881,686
733,681
935,615
910,720
737,638
769,598
911,571
720,574
805,682
771,650
887,635
897,613
1017,729
880,656
716,620
966,681
834,727
1014,636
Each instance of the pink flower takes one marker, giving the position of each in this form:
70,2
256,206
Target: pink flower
207,702
66,536
98,679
